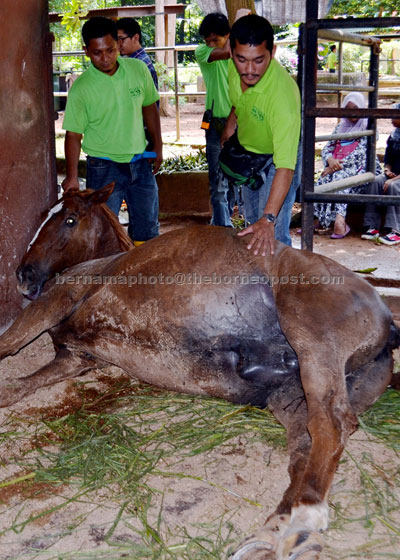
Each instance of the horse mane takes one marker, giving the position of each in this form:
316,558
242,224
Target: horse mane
125,242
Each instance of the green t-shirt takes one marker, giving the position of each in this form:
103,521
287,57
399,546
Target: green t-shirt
331,61
215,75
268,114
107,110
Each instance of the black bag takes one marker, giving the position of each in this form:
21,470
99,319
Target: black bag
242,167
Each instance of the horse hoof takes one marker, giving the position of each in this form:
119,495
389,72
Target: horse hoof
254,550
302,545
262,545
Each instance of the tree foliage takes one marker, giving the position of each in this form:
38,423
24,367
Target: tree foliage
368,8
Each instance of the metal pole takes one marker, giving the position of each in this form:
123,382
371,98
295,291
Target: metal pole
309,48
373,103
176,81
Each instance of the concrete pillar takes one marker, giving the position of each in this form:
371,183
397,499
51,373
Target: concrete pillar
28,183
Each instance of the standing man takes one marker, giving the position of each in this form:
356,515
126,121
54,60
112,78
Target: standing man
331,59
106,108
130,44
213,59
266,104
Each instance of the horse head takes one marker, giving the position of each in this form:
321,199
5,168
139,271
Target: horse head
78,228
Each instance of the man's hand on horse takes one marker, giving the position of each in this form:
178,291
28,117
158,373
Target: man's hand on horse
70,184
263,240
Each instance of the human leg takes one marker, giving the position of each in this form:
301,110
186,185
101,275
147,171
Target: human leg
372,216
282,226
218,184
99,173
142,201
392,219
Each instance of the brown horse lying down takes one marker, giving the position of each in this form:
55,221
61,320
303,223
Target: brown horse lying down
194,311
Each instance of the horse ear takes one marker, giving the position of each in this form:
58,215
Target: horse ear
102,195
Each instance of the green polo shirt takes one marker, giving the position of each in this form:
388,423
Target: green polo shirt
107,110
215,75
268,114
331,60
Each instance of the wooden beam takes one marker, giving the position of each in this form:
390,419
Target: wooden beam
125,11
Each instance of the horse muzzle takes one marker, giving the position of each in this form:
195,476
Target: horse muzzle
30,281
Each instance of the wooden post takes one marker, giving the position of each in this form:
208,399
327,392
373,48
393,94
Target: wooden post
160,30
28,181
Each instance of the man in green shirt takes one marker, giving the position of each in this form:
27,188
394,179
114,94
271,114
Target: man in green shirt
266,106
331,59
106,108
213,58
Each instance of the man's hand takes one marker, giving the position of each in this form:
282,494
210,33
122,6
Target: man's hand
157,161
389,173
70,184
263,240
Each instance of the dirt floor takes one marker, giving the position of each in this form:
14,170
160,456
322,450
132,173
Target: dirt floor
190,505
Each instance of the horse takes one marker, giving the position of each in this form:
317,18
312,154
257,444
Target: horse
80,227
195,311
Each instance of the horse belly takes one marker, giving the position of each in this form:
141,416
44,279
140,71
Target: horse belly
222,342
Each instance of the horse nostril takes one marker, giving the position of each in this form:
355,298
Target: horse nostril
26,273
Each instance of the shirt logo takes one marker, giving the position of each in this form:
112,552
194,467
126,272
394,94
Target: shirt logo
135,92
259,115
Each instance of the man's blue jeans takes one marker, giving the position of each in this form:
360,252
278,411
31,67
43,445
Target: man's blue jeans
134,183
219,188
254,201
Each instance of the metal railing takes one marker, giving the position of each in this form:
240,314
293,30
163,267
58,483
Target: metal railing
336,30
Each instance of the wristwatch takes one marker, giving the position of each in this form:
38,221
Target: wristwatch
270,218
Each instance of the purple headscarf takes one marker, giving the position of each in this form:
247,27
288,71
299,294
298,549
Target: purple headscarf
359,100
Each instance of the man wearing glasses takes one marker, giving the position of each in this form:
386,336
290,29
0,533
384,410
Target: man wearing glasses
130,43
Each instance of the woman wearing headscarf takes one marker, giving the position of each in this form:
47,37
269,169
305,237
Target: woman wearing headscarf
388,183
342,159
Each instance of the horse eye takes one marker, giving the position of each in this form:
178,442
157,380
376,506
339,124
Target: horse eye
70,222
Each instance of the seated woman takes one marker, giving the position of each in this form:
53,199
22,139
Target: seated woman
389,184
342,159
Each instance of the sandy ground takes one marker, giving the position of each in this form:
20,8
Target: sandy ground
231,488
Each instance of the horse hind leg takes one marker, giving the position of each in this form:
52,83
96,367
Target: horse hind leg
65,365
288,404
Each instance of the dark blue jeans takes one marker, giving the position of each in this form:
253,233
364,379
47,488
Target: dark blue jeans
134,183
219,188
254,201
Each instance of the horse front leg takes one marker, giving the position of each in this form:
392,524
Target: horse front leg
38,317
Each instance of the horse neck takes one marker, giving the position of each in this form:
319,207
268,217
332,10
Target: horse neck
113,238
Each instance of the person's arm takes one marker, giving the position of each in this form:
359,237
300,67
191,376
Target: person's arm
72,149
387,170
263,240
388,182
151,118
229,127
221,54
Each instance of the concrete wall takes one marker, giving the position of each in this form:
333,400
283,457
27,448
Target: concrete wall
27,156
